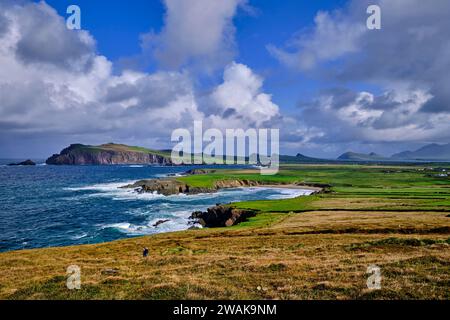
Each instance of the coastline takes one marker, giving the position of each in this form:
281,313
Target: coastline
281,252
291,186
192,224
192,228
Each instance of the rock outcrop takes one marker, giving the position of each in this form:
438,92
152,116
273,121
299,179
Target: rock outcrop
24,163
159,222
221,216
173,186
107,154
199,171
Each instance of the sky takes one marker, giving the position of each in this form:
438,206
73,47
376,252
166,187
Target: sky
139,69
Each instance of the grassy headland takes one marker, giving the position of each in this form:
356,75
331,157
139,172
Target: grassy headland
316,247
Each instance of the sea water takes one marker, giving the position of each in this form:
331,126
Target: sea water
42,206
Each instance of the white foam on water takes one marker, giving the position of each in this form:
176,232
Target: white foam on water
129,194
169,209
135,166
286,193
79,236
125,227
101,186
165,175
174,224
115,191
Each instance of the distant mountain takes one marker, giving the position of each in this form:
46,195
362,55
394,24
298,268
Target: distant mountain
110,153
353,156
299,158
431,152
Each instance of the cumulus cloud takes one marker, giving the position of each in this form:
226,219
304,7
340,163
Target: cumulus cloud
366,118
51,44
198,32
240,98
407,61
71,95
332,37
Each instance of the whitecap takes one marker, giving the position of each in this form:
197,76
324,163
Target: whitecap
286,193
116,191
79,236
100,187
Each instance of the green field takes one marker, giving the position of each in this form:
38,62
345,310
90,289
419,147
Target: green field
401,188
311,247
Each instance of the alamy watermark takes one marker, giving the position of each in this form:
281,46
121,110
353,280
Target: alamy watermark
73,281
374,20
374,280
73,22
252,146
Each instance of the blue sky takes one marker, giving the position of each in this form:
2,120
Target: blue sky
139,69
117,29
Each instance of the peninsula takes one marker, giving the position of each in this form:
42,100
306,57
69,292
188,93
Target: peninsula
108,154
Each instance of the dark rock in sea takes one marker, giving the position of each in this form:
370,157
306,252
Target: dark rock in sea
160,222
221,216
24,163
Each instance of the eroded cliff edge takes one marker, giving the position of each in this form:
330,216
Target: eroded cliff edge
170,186
108,154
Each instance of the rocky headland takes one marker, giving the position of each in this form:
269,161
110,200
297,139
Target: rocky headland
171,186
108,154
219,215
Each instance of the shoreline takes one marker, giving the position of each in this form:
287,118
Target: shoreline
288,186
190,229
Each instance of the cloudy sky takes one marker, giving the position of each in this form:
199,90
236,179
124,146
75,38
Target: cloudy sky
139,69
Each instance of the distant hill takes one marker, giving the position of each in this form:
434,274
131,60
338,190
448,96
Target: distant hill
353,156
110,153
431,152
299,158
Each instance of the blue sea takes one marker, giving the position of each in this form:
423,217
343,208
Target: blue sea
43,206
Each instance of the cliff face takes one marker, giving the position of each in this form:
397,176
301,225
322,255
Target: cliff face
106,155
173,186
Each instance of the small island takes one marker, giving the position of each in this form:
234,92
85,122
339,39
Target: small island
23,163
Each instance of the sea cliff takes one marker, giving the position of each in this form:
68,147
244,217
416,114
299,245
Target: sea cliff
108,154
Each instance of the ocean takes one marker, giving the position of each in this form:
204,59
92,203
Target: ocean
47,206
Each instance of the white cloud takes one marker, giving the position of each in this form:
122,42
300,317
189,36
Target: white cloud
332,37
370,119
43,91
240,99
407,61
79,99
198,32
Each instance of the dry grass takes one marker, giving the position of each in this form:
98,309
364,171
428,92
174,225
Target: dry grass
313,255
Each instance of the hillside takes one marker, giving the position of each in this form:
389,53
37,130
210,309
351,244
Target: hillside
299,158
111,153
317,247
429,152
353,156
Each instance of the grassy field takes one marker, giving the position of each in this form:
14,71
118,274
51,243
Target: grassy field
316,247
